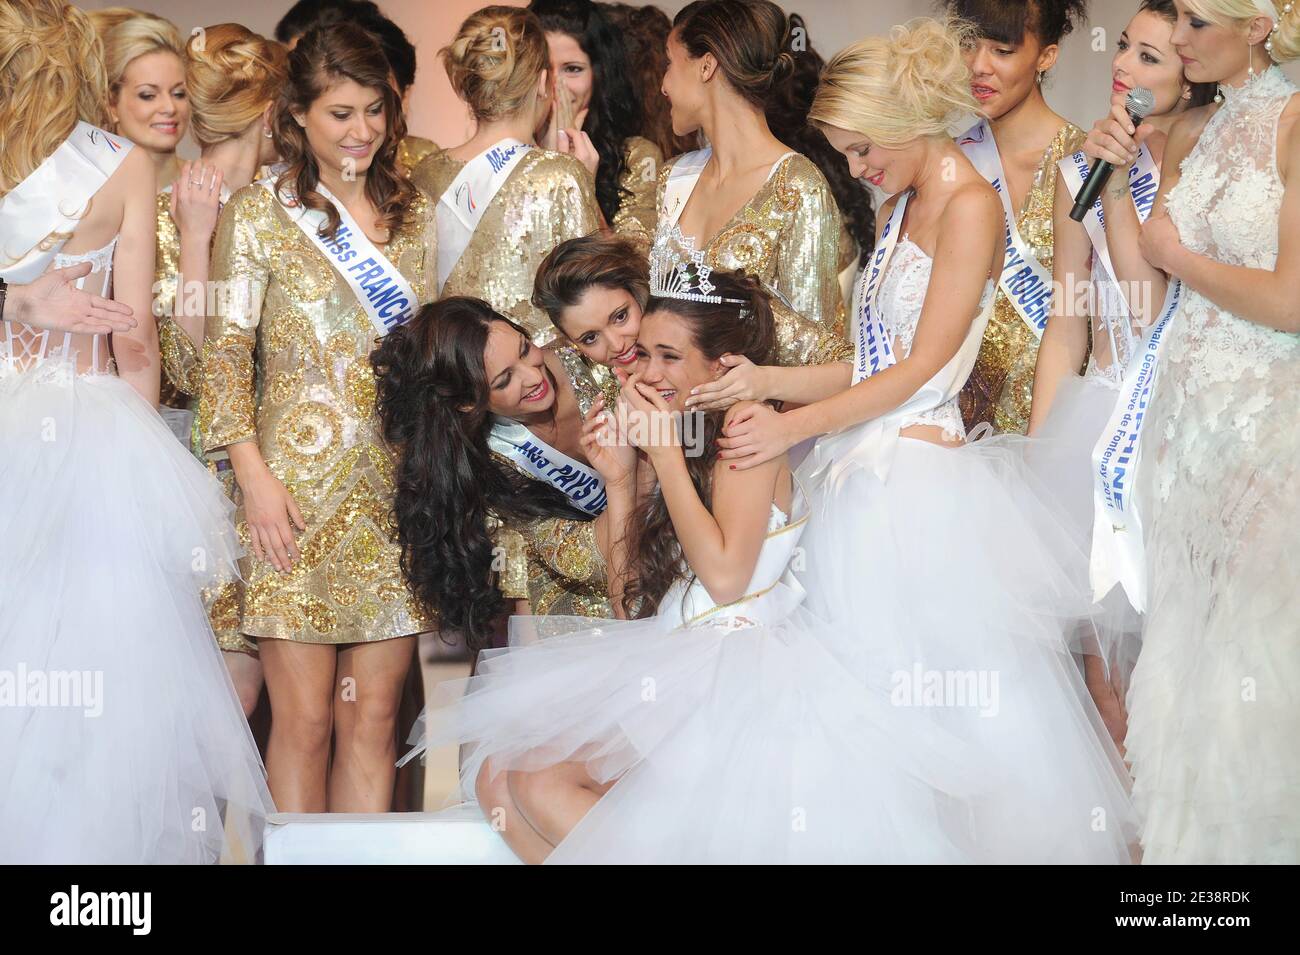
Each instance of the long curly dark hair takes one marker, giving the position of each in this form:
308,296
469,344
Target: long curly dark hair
615,111
324,56
645,35
717,329
787,116
433,407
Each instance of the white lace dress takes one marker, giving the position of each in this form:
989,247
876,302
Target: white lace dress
121,738
953,576
1214,710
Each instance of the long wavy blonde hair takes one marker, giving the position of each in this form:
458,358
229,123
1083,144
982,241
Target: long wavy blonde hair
1237,13
51,76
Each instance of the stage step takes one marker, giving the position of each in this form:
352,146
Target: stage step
456,836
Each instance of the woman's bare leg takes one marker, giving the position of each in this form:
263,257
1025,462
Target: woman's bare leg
246,673
553,800
367,694
498,805
300,682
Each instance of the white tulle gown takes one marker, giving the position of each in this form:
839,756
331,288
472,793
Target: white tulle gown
1214,710
735,734
121,737
950,572
1061,460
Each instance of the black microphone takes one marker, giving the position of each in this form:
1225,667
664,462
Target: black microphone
1139,102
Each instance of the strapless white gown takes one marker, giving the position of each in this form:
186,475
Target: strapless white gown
121,737
952,574
735,733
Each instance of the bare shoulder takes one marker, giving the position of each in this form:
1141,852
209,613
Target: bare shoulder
974,199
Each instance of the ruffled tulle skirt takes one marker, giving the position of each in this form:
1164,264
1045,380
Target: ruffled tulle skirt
724,745
959,579
121,737
1060,457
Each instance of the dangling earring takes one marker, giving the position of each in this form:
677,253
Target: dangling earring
1250,59
1218,94
1187,92
267,133
1040,77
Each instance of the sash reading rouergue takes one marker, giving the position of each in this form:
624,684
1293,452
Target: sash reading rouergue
579,483
461,207
50,202
1117,549
380,289
1024,280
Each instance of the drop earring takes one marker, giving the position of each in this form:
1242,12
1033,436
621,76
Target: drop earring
1187,92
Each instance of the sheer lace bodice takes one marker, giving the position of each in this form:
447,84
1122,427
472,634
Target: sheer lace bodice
1216,488
1226,205
25,347
902,295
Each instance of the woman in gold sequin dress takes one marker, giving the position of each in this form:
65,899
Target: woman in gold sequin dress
324,596
1018,45
476,523
749,202
499,65
589,64
233,77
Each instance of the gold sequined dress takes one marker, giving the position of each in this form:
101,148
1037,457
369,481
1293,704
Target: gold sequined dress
413,150
555,563
309,403
788,236
638,212
1001,387
547,198
181,384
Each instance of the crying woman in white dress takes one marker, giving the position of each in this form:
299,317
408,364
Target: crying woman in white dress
122,738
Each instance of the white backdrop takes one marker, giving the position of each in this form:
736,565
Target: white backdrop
1079,88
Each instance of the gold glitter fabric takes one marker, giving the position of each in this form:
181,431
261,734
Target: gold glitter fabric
788,236
413,150
180,359
547,198
554,562
637,213
309,403
1000,388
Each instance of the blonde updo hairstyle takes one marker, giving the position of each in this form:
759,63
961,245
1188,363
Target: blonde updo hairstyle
51,76
495,60
897,88
1284,42
128,35
232,75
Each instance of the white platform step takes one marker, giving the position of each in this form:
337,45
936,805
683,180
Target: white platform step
457,836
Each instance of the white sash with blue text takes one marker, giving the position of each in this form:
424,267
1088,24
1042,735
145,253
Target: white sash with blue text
579,483
1143,185
39,214
1117,550
461,207
381,290
874,350
1026,283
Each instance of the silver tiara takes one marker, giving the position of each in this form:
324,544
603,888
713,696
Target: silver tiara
677,270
